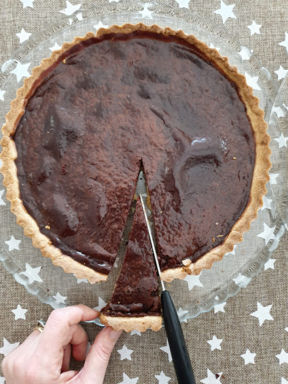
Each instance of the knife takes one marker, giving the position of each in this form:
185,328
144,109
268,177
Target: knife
180,356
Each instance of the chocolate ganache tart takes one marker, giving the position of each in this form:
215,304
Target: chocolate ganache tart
105,105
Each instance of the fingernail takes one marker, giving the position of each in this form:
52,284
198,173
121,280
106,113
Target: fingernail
114,335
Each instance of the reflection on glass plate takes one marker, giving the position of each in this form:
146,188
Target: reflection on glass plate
195,294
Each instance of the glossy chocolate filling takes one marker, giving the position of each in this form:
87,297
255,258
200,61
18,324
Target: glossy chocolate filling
136,291
108,104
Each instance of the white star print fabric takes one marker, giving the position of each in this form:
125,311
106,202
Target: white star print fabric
21,71
27,3
23,36
125,353
70,8
248,357
226,11
19,312
239,339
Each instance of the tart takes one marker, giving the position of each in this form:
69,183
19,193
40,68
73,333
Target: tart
105,105
135,303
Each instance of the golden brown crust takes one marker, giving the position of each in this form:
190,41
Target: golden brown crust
129,324
260,176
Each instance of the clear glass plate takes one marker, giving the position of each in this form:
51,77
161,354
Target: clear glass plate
195,294
278,129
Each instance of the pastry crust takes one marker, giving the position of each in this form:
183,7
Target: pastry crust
129,324
260,175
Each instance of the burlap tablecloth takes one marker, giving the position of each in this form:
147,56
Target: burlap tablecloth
217,340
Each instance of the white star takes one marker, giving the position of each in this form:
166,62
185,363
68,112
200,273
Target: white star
219,307
215,343
211,378
262,313
269,264
282,141
282,357
245,53
193,281
101,304
241,280
79,281
284,381
7,347
267,234
281,72
2,380
284,43
2,202
55,47
19,312
127,380
273,177
254,28
146,12
252,81
2,93
13,243
267,203
248,357
114,1
27,3
59,298
70,8
79,16
182,315
183,3
226,11
21,70
125,353
285,106
286,329
100,25
162,378
279,111
32,274
135,332
23,35
167,350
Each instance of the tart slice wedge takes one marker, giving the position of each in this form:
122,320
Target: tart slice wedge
135,303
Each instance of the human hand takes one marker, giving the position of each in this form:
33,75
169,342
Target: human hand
44,357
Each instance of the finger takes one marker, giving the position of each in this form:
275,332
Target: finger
66,358
59,330
98,357
67,376
79,343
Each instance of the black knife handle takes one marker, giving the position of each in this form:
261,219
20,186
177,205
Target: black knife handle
180,356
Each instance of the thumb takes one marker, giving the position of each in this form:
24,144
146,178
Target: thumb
99,355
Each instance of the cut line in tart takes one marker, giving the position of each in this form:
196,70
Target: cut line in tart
135,302
82,123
